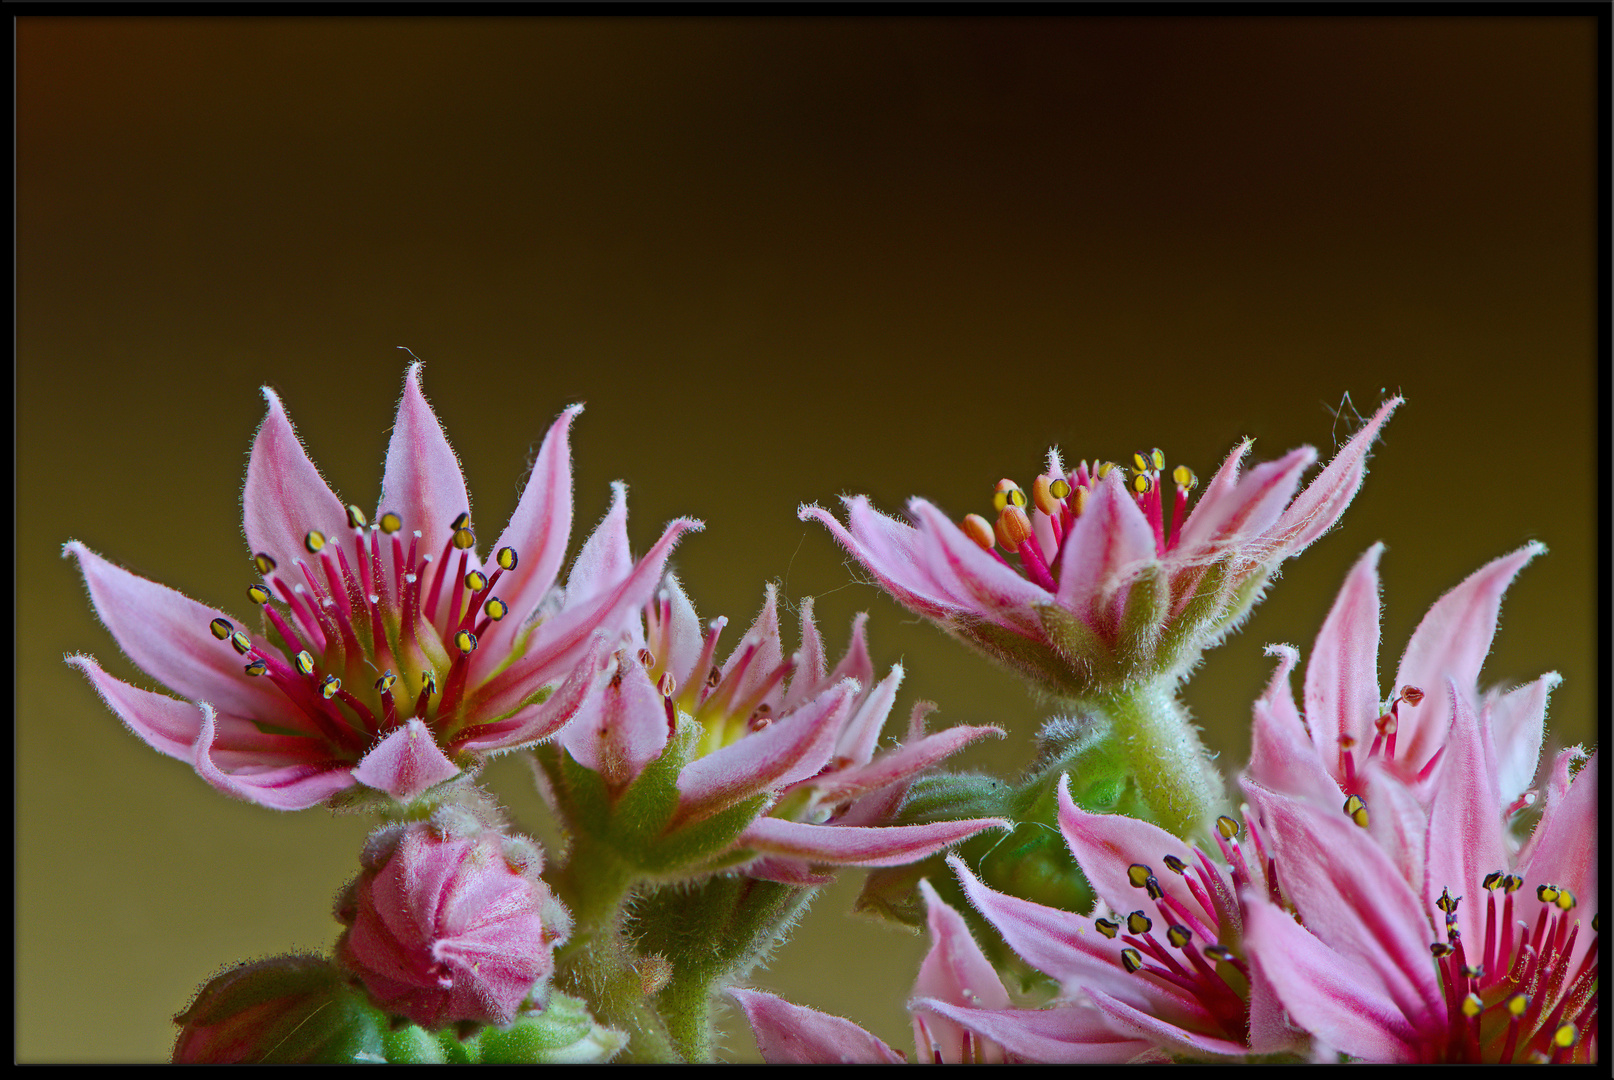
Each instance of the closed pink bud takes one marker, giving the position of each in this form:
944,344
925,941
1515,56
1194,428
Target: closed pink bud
449,922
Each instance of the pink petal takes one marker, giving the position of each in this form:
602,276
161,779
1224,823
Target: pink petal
786,751
991,586
623,726
955,970
810,664
1250,508
535,723
289,787
890,551
766,657
422,482
1109,544
1106,845
1452,640
852,845
285,496
605,559
787,871
856,664
1563,849
1064,1035
1317,508
862,732
1352,897
1342,674
1336,998
167,635
1216,502
1141,1023
901,763
1515,722
789,1034
1398,818
538,533
1281,756
683,637
405,763
1466,839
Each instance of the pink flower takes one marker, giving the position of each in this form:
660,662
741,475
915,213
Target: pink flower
1480,955
449,922
1156,970
1349,726
769,726
390,654
960,1012
1092,586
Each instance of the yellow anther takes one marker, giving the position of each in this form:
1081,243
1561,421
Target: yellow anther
1103,469
1043,497
264,563
1157,459
305,663
390,522
242,643
496,609
1218,952
976,528
1512,883
1517,1004
1059,487
428,684
476,581
465,641
1013,528
1179,936
1492,880
1078,501
1109,928
1565,1036
1228,827
1138,875
386,681
1138,923
506,558
257,667
464,538
1547,894
462,522
1185,478
329,687
1152,887
258,594
1142,483
1356,810
1132,960
1440,949
1175,865
1446,903
1007,493
314,541
355,517
222,628
1473,1005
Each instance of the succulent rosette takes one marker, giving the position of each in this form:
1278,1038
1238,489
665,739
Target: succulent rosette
767,761
449,922
1085,584
390,654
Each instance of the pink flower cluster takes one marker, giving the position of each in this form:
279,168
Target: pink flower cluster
1375,905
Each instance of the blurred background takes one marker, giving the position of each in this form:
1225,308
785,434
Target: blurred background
780,260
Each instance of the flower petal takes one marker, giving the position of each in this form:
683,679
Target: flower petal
1336,998
853,845
1248,508
1317,508
535,723
167,635
285,496
955,970
1342,673
288,787
422,483
1069,1034
537,532
895,555
1104,550
1466,840
789,1034
996,591
862,731
1516,724
1563,849
900,763
1452,640
1127,1020
786,751
622,727
605,559
405,763
1281,756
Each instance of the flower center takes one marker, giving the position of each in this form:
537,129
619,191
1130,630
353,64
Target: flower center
1037,538
367,642
1519,996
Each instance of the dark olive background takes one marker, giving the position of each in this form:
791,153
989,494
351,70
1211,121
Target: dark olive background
779,260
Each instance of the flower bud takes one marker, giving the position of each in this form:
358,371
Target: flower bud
288,1010
449,923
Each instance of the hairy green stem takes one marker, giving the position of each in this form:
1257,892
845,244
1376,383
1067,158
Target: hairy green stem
1174,776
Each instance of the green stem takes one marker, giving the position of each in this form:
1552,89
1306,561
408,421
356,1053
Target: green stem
597,964
1151,729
